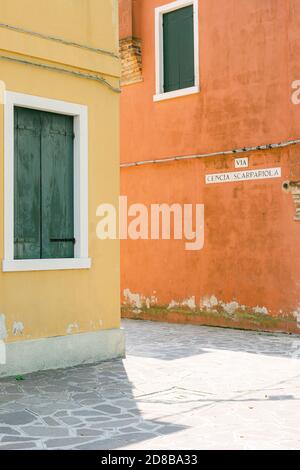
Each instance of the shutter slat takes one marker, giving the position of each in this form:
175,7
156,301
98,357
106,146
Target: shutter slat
27,132
57,186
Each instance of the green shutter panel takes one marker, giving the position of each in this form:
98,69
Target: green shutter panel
186,48
178,49
27,131
171,53
57,205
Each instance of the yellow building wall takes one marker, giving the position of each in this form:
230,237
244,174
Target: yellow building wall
90,22
56,303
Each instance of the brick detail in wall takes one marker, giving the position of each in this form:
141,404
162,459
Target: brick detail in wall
131,59
293,187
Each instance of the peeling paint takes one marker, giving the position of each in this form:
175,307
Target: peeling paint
190,302
134,299
296,315
18,328
3,330
230,307
210,310
262,310
209,302
139,301
173,304
71,328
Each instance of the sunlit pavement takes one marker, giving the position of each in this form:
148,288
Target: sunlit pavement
181,387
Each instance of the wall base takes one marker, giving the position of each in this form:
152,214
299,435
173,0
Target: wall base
265,323
59,352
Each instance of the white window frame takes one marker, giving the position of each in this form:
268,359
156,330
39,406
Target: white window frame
80,114
159,56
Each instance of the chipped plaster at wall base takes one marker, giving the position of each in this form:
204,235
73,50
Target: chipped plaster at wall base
212,303
18,328
209,302
209,311
71,328
138,301
190,303
261,310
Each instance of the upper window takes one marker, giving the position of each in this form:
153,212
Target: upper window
177,49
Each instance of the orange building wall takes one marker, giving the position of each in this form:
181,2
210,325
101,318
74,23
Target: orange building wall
248,60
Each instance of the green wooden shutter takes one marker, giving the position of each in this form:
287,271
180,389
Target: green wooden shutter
178,49
27,183
43,185
57,172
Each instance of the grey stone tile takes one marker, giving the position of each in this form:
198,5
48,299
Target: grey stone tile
45,431
129,429
118,423
17,418
5,399
17,439
99,419
124,416
8,430
125,403
86,413
107,444
109,409
70,420
66,442
86,396
50,421
18,446
61,413
88,432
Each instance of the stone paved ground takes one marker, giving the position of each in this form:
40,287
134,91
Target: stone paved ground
181,386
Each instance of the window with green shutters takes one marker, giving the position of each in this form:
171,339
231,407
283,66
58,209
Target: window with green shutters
43,185
178,49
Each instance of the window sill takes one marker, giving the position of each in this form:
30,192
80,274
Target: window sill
177,93
46,264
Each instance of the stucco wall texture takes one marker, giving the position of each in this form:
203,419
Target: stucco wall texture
248,273
57,303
